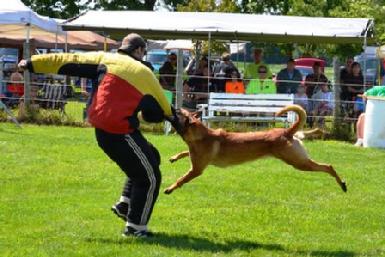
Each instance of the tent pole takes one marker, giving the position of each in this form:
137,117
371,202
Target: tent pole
337,89
1,76
179,80
370,25
66,43
105,42
27,75
56,37
209,62
364,47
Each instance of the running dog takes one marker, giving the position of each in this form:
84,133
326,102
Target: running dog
220,148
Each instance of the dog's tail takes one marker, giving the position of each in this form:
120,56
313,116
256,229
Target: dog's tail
299,122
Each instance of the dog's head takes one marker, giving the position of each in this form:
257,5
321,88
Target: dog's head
191,126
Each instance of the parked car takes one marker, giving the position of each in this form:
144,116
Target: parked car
305,65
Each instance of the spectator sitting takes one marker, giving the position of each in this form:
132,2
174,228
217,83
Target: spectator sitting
167,73
16,85
301,99
288,79
262,84
222,70
224,66
375,91
314,80
234,84
323,103
16,76
251,71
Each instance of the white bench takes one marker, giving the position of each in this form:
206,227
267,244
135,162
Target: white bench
246,108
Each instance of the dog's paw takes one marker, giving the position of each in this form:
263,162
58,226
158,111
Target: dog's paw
343,187
168,191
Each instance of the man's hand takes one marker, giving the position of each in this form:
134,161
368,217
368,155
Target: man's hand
22,65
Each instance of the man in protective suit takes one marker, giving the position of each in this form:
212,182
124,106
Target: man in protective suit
124,87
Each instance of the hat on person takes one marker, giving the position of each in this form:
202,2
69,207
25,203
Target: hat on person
131,42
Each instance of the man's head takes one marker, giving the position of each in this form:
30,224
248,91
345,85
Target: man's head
301,90
317,68
262,72
133,45
226,58
258,55
172,58
324,87
290,65
356,68
349,62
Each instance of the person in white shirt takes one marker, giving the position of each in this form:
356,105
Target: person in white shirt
323,103
301,99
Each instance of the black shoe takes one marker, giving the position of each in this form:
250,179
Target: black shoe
130,231
121,210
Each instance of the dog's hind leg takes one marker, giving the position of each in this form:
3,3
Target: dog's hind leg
182,180
311,165
179,156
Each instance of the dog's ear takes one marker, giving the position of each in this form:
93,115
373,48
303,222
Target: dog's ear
197,114
191,119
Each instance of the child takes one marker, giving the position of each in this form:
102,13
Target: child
301,99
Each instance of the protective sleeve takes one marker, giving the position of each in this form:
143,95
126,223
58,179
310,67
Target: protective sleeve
82,65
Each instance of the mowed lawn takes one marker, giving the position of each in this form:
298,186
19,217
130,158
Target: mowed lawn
56,189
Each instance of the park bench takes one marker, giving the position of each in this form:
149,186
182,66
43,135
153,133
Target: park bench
224,107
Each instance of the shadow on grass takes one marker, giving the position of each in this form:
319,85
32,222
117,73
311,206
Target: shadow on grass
191,243
187,242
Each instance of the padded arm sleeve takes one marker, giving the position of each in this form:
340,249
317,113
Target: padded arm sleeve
82,65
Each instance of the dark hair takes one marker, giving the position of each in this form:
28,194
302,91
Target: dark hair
316,64
229,71
290,60
131,42
356,64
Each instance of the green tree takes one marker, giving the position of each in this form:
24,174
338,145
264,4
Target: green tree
125,5
364,8
58,9
266,6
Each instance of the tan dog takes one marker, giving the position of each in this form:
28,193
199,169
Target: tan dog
221,148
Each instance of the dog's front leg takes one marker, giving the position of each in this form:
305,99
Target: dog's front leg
179,156
193,173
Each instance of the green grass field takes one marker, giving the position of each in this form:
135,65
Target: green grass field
56,188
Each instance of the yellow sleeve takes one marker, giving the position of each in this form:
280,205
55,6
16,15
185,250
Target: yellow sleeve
63,63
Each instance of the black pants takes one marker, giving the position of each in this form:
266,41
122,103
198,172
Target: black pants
140,162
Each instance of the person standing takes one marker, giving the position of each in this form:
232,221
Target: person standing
125,87
252,69
167,73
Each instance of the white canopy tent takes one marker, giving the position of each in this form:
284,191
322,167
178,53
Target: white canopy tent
16,19
234,26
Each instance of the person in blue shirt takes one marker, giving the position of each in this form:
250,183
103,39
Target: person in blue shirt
288,79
